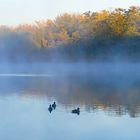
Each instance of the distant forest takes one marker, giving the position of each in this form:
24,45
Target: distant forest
108,35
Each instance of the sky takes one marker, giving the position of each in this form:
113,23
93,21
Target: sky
14,12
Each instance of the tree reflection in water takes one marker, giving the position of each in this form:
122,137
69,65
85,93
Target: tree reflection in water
116,95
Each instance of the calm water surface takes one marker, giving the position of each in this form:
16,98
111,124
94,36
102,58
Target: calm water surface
109,104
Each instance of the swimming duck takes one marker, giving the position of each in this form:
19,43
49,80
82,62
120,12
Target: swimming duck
76,111
50,108
54,105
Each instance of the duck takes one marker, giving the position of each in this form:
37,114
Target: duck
54,105
50,108
76,111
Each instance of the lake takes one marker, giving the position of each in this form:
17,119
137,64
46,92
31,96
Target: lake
108,97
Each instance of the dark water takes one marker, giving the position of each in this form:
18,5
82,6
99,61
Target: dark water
109,102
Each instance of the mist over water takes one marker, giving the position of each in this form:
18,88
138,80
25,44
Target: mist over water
76,77
106,93
113,87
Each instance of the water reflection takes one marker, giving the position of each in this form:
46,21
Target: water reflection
114,94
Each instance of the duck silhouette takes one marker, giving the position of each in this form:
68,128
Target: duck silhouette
54,105
50,108
76,111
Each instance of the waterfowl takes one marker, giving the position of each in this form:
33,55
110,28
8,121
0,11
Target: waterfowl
76,111
54,105
50,108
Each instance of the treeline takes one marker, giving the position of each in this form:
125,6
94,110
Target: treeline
87,35
70,28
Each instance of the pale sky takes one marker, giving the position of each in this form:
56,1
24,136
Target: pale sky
13,12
